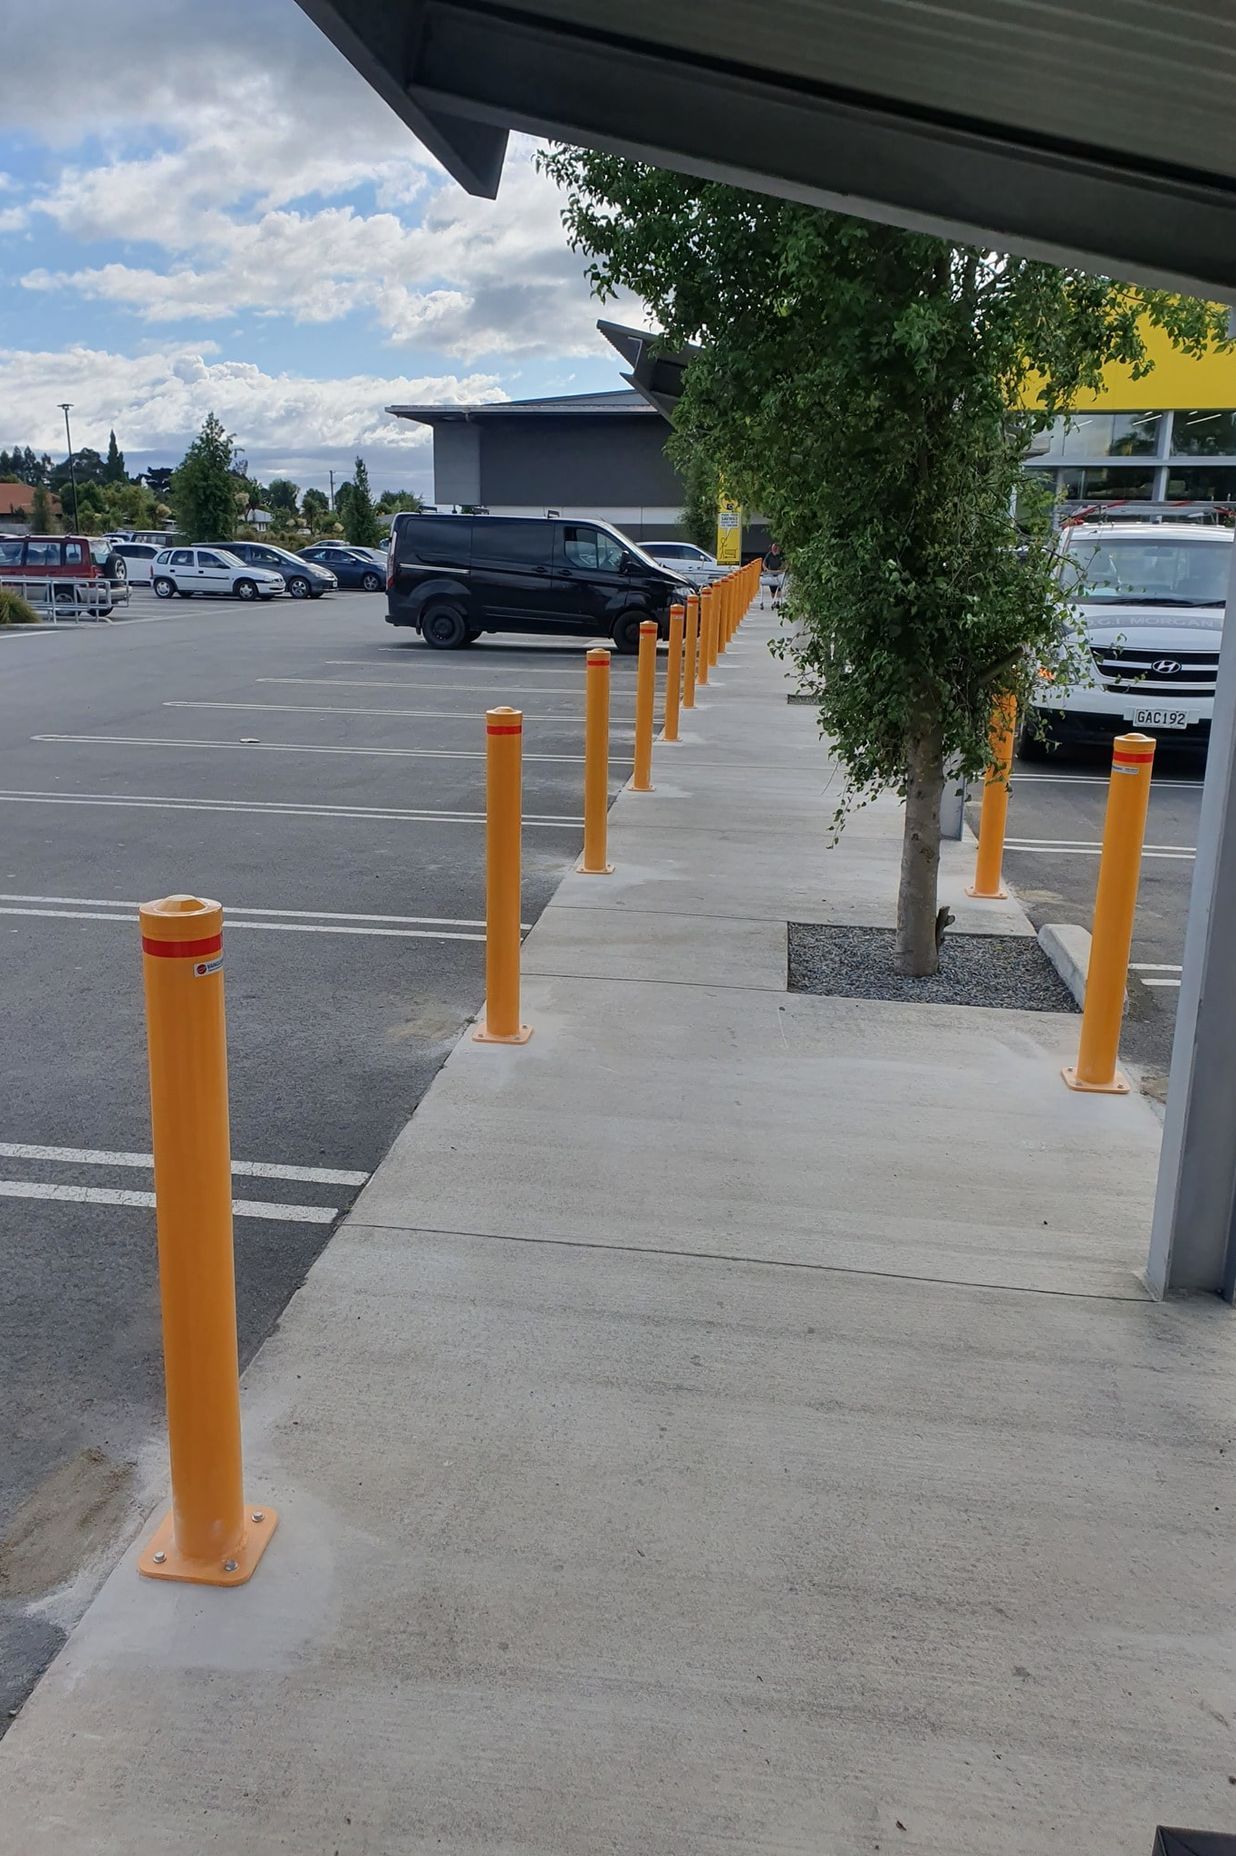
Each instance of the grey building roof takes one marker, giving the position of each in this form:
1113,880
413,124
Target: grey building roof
624,400
1079,133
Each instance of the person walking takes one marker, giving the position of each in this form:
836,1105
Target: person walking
774,572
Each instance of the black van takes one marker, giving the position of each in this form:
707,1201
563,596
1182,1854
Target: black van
454,577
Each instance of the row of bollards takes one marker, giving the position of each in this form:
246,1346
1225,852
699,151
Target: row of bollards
212,1535
1115,901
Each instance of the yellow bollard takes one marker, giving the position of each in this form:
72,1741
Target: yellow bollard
673,674
504,741
1120,863
645,701
987,868
692,645
211,1536
707,622
723,607
596,765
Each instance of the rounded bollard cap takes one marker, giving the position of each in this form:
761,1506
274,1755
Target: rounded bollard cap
180,918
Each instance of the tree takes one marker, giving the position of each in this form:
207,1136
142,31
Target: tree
42,516
88,465
114,470
91,515
360,524
315,508
703,487
204,487
391,502
861,386
283,498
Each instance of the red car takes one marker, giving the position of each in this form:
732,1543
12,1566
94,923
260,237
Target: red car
38,559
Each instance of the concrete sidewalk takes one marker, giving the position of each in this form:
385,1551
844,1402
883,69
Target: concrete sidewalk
730,1423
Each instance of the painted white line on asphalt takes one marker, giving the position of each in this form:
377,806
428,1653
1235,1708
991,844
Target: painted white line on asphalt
1155,966
474,689
248,1169
1098,779
106,1195
293,747
235,909
1175,983
1092,844
441,681
288,809
1087,850
399,934
475,717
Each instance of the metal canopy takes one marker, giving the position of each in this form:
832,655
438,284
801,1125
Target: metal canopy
1060,130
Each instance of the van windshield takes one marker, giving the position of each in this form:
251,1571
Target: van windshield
1145,570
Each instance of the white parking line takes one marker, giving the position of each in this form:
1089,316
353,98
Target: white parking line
398,934
1046,847
1097,779
248,1169
277,809
443,682
107,1195
1174,983
235,909
475,717
1154,966
293,747
475,689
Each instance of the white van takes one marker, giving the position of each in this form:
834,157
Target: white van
1151,598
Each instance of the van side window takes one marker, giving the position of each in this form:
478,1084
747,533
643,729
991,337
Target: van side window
511,544
75,554
42,554
592,549
10,551
436,541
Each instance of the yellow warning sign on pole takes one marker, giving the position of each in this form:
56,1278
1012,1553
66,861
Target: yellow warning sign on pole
729,532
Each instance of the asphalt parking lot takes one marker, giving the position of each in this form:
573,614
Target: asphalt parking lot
1055,830
323,776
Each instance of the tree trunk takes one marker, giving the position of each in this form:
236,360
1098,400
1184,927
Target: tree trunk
916,949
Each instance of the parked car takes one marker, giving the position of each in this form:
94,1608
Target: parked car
138,558
454,577
303,580
350,566
686,560
212,570
64,561
1150,600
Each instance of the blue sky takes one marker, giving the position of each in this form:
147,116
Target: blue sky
225,218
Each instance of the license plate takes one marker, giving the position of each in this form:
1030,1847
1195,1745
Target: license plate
1157,718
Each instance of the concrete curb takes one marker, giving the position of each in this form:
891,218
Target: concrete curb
1068,949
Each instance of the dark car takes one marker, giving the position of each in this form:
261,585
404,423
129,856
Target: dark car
303,579
454,577
350,566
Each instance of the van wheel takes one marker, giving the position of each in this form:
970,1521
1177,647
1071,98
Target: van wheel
164,589
444,629
245,589
626,633
371,583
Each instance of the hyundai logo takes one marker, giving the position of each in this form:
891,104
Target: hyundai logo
1166,667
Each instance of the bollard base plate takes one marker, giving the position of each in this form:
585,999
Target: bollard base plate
177,1565
1119,1085
482,1035
987,895
581,869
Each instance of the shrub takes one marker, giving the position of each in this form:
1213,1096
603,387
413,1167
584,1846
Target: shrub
14,610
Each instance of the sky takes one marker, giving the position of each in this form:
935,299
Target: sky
222,217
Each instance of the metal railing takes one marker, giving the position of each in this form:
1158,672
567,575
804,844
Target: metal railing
64,600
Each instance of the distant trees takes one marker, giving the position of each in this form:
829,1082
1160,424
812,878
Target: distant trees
114,470
360,523
42,516
391,502
315,508
20,465
283,498
204,485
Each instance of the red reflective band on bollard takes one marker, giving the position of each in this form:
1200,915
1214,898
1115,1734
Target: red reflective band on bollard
182,950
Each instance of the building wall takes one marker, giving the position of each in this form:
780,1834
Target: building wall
543,460
457,463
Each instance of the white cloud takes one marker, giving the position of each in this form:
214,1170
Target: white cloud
156,401
12,218
475,278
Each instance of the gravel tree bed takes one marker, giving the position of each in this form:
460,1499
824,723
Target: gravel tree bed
975,969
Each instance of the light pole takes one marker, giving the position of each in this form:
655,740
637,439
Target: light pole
64,407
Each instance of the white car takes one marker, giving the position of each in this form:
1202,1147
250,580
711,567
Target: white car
212,570
685,559
1151,599
139,560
